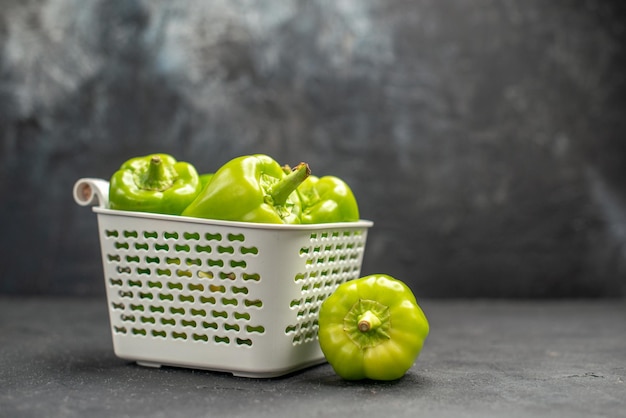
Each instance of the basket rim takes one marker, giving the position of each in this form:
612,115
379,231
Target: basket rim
362,223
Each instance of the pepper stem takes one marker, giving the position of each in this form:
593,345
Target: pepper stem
157,177
368,321
288,184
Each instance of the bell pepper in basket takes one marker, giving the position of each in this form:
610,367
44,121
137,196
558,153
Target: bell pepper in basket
154,183
205,179
372,328
251,188
327,199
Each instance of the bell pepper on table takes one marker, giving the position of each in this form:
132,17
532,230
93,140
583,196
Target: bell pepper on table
327,199
156,183
372,328
251,188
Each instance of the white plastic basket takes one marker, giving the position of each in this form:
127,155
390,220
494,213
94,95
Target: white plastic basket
235,297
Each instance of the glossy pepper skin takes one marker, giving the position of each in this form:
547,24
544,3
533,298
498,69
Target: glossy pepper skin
156,183
205,179
372,328
251,188
327,199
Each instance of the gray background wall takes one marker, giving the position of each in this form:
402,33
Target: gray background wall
484,138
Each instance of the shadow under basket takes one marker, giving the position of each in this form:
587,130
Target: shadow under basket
234,297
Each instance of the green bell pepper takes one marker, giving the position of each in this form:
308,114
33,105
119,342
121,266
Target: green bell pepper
372,328
327,199
251,188
154,183
205,179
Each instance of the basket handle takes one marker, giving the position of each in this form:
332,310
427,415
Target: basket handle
89,191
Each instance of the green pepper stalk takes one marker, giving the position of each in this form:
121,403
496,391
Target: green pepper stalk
154,183
251,188
327,199
372,328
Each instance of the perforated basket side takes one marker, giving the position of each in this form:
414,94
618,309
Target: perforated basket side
256,292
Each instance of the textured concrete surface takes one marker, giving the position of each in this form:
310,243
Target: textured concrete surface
482,359
484,138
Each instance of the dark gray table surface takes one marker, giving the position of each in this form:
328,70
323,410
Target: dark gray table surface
482,359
